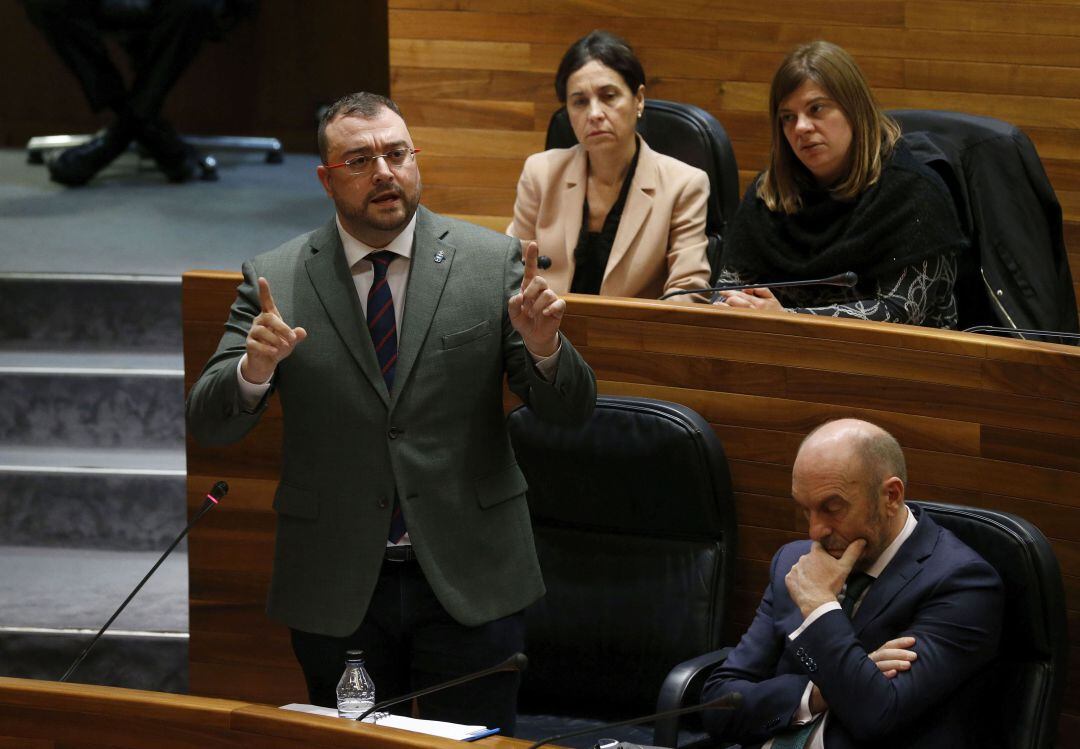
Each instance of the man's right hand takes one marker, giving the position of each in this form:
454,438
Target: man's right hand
269,341
817,577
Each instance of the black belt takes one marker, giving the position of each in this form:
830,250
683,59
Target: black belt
402,553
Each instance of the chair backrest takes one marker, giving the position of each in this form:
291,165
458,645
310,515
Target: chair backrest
1017,272
635,530
1032,665
691,135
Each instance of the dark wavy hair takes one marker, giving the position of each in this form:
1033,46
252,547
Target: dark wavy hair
606,48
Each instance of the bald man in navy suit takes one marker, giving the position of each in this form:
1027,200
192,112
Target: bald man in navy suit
872,633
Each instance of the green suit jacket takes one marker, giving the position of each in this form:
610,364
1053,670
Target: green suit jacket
439,441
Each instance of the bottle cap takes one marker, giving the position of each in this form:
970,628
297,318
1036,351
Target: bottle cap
354,655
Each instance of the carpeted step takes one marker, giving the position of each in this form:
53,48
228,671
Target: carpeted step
59,598
155,662
104,400
86,313
99,499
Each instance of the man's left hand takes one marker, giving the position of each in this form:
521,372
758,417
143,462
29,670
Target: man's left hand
536,311
817,577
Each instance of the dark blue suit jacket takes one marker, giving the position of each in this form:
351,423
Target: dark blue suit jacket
936,589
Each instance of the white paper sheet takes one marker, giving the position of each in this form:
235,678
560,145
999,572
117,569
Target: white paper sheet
453,731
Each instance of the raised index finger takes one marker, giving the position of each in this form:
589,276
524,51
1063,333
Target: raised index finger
266,299
530,255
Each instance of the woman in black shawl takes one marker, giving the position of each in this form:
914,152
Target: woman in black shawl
842,193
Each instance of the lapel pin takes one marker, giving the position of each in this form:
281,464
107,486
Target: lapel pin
440,256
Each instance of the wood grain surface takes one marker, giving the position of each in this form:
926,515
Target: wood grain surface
48,715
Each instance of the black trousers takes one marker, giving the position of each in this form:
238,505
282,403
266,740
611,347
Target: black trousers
410,642
161,46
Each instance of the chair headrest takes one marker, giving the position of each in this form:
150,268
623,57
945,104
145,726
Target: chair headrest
660,463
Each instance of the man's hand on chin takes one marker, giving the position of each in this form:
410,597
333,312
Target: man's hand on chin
817,577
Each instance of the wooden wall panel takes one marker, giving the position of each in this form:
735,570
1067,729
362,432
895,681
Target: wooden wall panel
984,421
465,67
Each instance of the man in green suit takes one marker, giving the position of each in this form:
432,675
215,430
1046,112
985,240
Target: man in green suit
402,524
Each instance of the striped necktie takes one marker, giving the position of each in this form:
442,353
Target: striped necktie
382,324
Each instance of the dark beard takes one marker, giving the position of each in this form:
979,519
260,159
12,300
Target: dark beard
359,217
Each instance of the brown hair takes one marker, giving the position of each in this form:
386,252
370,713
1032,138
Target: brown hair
873,133
361,104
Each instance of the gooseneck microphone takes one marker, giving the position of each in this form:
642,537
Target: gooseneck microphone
516,662
847,279
1023,332
219,490
731,701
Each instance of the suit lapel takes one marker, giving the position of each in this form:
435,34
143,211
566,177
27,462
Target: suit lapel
905,566
638,206
427,279
332,279
573,202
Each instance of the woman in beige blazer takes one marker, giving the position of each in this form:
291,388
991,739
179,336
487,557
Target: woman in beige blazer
614,216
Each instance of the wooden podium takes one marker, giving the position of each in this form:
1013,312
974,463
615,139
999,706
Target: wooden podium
984,421
50,715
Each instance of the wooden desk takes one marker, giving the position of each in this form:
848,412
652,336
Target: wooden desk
49,715
984,421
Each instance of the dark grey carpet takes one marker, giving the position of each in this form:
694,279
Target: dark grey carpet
80,588
131,221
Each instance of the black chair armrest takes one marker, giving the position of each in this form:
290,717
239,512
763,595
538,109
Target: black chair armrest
682,683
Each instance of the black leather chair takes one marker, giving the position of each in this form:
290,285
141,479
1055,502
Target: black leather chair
1029,678
635,530
1017,273
691,135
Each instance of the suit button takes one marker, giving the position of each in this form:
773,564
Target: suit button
383,503
395,432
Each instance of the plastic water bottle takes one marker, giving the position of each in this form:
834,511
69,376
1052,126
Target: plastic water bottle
356,690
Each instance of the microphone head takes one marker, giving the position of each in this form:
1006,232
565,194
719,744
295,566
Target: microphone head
849,279
219,490
516,662
543,263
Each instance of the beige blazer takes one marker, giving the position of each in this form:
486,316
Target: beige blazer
660,244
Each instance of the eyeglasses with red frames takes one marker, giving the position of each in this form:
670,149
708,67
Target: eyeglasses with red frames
361,165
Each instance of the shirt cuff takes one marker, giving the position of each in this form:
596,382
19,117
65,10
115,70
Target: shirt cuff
545,365
803,715
814,616
250,393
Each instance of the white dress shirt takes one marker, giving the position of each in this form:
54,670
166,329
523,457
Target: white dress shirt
803,714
